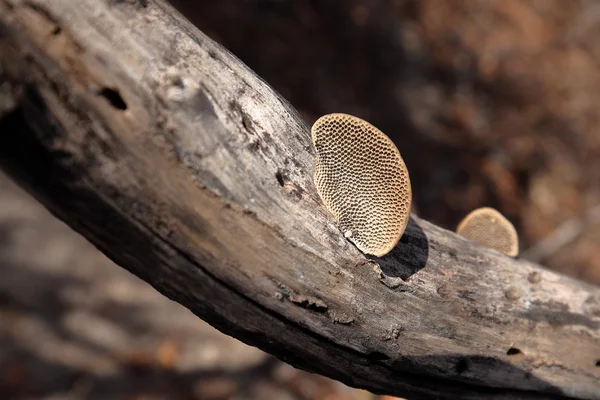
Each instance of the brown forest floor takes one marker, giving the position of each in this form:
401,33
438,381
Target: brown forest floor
491,103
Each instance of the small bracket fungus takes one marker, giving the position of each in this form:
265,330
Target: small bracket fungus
362,181
489,228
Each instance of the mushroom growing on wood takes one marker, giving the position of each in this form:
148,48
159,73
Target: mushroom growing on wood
362,181
489,228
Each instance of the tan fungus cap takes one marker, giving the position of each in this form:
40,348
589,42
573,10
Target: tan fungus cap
489,228
362,180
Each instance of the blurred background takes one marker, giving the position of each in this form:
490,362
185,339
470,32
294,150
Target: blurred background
490,102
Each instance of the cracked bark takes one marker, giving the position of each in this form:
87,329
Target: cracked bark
184,167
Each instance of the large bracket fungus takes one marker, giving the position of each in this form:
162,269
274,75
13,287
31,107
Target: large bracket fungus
362,180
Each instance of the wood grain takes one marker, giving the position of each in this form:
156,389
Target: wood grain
184,167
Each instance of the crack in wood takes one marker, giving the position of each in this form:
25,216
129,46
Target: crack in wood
309,302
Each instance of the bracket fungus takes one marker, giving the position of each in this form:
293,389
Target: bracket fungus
489,228
362,180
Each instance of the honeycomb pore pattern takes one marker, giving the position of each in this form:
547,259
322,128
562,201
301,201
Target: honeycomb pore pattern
489,228
362,180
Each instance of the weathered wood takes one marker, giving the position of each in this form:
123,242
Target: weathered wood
183,166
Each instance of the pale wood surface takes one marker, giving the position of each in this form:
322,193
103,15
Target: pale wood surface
184,167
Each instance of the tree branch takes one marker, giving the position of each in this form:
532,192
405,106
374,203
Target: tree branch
184,167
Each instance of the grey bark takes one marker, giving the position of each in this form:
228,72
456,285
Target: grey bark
184,167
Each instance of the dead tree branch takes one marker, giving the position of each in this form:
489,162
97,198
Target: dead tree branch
183,166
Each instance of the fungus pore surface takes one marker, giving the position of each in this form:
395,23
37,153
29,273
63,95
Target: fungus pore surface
489,228
362,180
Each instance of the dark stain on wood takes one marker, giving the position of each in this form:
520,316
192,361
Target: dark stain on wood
558,318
